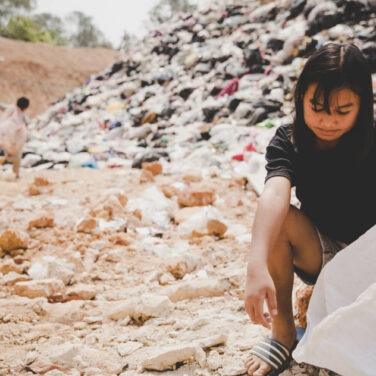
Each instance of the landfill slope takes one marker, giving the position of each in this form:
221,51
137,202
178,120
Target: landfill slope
44,73
124,243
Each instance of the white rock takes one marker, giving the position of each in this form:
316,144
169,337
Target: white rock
214,360
128,348
193,289
140,309
166,358
52,267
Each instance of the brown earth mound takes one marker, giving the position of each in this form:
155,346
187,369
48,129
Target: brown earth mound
44,73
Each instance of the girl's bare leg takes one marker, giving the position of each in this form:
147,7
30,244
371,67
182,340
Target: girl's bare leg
16,166
297,244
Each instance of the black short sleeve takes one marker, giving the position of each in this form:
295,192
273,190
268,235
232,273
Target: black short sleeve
280,155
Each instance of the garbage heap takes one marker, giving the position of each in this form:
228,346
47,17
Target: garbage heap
206,90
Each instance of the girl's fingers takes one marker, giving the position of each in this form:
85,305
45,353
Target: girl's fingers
259,312
271,301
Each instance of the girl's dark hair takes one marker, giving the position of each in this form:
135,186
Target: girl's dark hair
335,66
22,103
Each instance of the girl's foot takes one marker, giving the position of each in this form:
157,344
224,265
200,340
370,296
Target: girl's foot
256,366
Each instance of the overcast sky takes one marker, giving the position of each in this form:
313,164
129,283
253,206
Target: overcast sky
110,16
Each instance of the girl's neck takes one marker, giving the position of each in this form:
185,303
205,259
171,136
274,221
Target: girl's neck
326,145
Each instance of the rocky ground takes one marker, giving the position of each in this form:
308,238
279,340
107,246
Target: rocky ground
95,281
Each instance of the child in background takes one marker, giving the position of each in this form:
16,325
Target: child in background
329,154
13,133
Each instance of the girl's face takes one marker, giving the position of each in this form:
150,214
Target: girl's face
329,127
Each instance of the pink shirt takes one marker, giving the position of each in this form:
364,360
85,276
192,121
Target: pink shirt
12,131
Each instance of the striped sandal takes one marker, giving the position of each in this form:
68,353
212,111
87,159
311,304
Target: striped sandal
274,353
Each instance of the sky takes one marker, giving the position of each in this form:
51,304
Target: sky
110,16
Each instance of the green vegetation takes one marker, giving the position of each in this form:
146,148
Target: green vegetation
17,22
24,28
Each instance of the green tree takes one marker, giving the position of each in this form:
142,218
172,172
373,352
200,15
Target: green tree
24,28
86,34
54,25
165,9
9,8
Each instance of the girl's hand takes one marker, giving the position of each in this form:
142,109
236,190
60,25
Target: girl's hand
260,287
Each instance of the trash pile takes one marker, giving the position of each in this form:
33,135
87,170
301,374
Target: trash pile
208,88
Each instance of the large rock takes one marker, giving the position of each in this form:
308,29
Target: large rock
13,239
196,288
78,356
43,288
166,358
140,309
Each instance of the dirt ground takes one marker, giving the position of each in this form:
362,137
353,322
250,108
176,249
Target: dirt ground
44,73
122,300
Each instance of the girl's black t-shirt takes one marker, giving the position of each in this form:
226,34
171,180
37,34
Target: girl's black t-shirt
335,192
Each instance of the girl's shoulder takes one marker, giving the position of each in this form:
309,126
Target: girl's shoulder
284,136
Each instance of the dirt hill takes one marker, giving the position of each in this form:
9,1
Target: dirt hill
44,73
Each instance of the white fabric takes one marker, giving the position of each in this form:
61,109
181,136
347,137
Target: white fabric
12,131
341,317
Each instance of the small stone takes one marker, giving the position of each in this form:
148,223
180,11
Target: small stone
303,297
166,358
208,342
41,366
165,279
10,265
125,349
39,181
193,289
43,288
179,266
192,176
34,190
86,225
149,118
82,292
140,309
13,240
216,228
11,278
184,214
154,167
196,197
146,177
42,221
92,320
214,360
121,239
169,190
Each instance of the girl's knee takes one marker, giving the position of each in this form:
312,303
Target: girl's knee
289,223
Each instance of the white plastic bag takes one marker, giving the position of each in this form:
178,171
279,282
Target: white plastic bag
341,317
